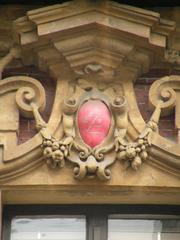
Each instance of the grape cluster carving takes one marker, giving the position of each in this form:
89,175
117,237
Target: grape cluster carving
55,152
135,152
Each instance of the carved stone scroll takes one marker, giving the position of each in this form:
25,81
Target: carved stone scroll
167,90
18,93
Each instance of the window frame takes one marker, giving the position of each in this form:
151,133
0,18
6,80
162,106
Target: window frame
96,215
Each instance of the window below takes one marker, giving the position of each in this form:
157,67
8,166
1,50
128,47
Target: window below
48,227
142,229
91,222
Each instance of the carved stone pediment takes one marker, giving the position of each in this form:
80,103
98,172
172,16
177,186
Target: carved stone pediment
95,51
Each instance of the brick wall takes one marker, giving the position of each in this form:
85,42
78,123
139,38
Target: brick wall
27,127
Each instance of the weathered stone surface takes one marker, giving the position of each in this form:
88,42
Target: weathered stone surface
8,13
64,51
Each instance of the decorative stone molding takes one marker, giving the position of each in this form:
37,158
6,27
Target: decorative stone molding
167,90
172,56
90,159
18,94
94,59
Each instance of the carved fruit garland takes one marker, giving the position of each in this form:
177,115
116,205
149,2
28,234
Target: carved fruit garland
55,151
136,152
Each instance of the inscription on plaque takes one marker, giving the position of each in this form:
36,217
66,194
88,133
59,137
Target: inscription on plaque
94,121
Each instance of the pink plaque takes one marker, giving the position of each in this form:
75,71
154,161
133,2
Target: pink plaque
94,121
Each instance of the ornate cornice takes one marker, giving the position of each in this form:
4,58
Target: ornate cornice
37,23
137,37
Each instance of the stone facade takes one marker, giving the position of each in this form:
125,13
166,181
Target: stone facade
62,56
